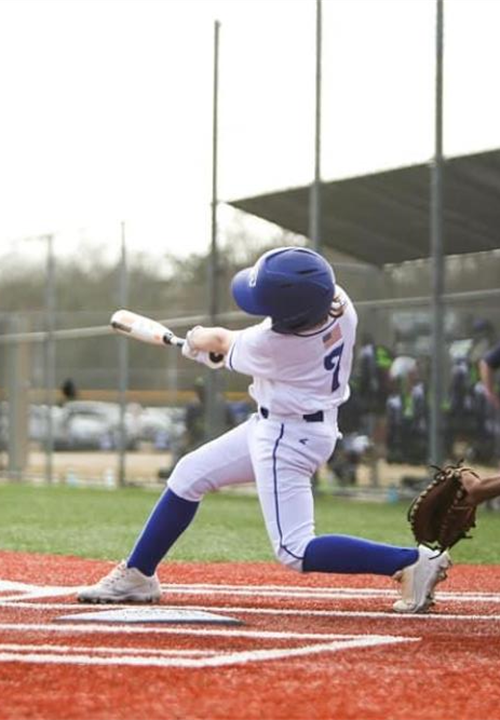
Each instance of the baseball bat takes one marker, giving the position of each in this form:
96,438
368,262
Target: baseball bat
145,329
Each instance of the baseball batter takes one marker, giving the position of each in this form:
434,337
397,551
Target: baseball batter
299,359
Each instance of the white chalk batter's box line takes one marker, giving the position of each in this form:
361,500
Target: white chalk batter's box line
67,655
26,591
280,612
28,596
144,657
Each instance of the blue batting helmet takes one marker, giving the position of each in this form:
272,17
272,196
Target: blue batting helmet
293,285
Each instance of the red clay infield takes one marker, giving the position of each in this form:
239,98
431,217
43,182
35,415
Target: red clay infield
322,647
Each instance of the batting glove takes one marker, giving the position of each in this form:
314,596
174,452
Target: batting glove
211,360
188,350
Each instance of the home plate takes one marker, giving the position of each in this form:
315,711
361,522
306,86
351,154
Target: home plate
152,615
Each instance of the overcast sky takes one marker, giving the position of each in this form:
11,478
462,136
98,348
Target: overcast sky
107,105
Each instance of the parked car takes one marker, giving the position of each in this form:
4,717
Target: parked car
37,422
94,425
157,427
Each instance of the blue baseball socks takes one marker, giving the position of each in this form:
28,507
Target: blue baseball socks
345,554
328,553
168,520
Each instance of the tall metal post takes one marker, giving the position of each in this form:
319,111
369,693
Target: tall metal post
123,346
17,394
214,253
212,378
50,357
315,191
437,255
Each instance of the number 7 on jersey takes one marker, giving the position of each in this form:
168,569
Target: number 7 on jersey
332,363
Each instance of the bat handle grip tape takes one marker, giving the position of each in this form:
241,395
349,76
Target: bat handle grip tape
170,339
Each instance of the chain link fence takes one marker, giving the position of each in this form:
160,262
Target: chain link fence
86,427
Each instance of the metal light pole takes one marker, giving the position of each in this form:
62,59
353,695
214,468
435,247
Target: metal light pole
315,191
212,379
123,362
214,251
437,255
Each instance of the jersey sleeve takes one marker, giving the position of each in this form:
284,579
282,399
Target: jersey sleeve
250,353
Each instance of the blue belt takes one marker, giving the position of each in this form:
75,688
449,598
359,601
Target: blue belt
312,417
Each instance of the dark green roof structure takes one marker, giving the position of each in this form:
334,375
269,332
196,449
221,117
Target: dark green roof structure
384,217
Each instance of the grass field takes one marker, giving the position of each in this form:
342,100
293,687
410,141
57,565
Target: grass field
307,646
100,523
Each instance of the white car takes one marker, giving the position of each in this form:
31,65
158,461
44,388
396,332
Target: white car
93,425
161,426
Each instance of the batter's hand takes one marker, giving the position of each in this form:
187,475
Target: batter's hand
188,349
212,360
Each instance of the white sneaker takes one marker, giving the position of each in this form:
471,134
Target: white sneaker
122,585
419,580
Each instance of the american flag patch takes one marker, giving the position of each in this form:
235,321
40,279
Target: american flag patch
332,336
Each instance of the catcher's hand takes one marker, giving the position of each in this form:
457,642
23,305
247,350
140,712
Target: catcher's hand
443,513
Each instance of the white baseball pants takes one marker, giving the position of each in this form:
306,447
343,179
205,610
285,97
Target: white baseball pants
280,455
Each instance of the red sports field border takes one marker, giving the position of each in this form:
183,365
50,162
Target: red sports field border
315,646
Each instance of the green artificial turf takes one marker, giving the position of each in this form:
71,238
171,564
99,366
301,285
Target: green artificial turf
100,523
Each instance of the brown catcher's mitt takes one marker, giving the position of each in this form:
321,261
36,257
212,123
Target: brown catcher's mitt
440,515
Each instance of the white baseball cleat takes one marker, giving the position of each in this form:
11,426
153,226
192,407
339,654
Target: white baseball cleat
122,585
419,580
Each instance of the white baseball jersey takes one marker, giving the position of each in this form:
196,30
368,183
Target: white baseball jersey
299,373
293,375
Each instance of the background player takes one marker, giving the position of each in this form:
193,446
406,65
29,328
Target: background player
300,360
489,364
